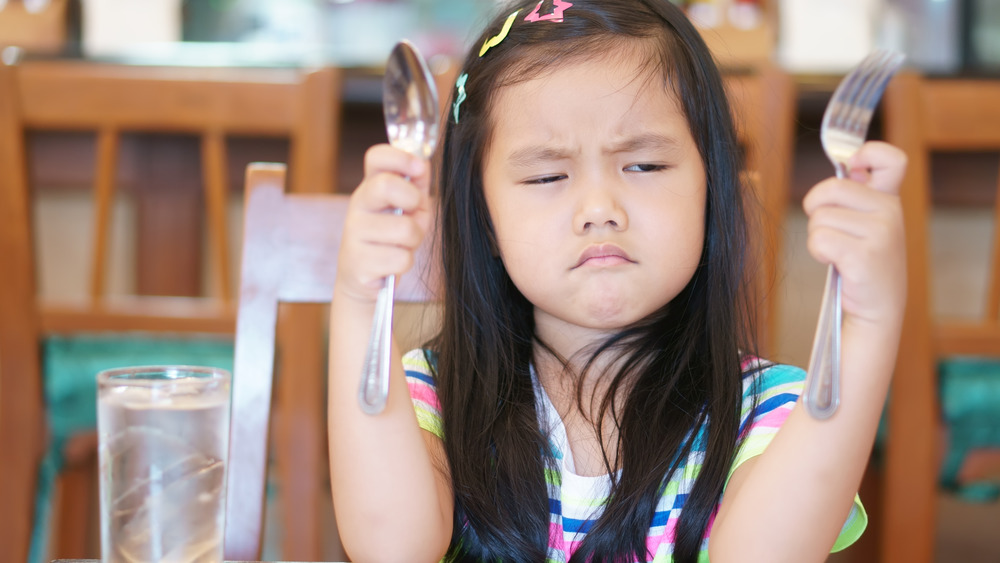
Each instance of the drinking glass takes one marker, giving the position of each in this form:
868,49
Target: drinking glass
163,436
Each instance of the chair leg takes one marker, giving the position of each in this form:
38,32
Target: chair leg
76,499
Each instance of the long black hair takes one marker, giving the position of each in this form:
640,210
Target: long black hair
679,373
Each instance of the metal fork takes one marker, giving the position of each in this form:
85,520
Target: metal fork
845,125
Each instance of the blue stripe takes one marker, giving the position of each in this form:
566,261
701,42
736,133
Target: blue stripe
574,526
555,506
421,376
660,518
775,403
769,405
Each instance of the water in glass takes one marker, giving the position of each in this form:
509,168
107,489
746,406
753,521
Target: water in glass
162,465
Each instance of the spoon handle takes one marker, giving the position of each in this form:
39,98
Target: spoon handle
374,389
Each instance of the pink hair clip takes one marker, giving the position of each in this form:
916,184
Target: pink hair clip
558,7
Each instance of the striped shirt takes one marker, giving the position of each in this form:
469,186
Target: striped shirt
576,501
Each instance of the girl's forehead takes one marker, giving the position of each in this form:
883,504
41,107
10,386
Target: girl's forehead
586,107
619,83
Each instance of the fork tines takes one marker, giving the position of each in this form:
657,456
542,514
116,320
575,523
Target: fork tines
857,95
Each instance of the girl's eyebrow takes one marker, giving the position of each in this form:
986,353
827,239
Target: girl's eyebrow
531,155
652,141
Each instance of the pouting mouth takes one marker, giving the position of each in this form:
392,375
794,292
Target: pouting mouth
602,251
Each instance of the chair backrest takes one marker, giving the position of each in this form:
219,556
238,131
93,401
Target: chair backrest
763,103
290,248
921,116
211,103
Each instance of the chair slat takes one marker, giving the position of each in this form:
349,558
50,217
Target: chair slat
104,195
955,117
182,315
21,407
971,339
86,95
763,103
992,311
213,159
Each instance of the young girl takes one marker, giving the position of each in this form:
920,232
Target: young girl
592,394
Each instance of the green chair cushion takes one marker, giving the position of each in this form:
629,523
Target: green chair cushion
970,404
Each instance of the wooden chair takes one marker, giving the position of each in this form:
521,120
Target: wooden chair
212,103
290,248
924,115
763,99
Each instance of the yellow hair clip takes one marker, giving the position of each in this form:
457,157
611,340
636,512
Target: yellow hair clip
496,39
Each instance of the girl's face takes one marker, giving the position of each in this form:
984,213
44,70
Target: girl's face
597,191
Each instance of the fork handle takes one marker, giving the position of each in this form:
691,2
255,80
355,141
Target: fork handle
822,392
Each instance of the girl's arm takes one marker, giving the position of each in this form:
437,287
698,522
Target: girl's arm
790,503
390,481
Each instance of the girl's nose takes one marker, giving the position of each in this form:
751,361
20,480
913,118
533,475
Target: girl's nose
599,207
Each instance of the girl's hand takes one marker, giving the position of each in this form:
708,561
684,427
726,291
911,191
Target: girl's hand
856,224
376,242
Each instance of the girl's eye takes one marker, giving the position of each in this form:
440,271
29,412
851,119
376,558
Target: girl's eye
546,179
645,168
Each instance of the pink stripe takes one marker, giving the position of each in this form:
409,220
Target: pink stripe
556,539
668,536
773,419
420,391
570,548
747,361
653,543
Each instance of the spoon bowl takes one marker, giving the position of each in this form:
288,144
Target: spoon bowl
410,102
410,105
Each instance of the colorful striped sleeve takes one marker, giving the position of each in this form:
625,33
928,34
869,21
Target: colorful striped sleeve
423,393
780,387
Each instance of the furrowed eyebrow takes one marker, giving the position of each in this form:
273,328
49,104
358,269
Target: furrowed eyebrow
526,157
642,142
532,155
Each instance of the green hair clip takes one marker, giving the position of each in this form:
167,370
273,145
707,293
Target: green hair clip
459,94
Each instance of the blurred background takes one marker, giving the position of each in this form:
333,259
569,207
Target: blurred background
811,42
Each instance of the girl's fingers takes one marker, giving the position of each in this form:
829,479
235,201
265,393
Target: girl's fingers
857,224
385,158
385,261
878,165
385,191
391,230
848,194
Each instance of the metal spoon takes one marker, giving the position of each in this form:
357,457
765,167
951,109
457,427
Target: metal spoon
410,105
